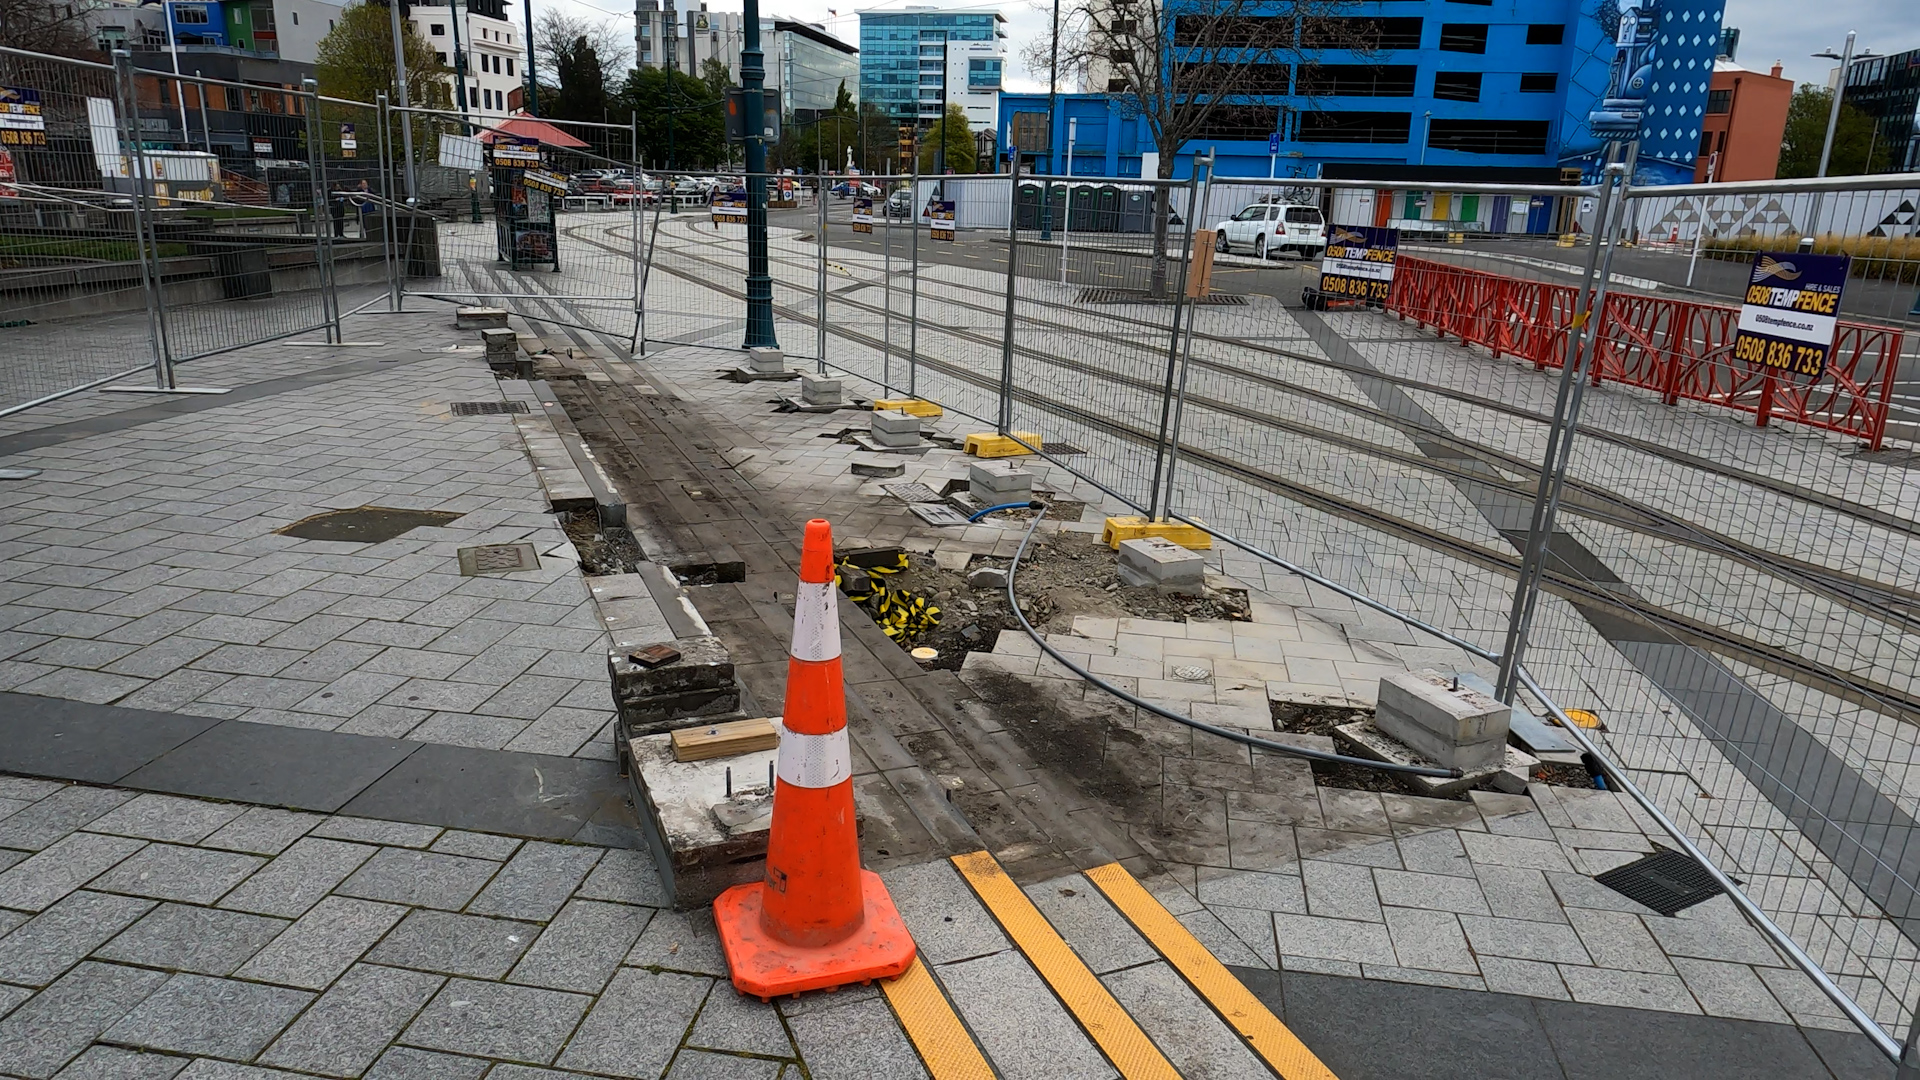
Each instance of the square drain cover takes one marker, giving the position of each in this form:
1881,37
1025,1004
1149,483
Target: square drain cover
364,524
913,492
497,559
1666,881
938,514
487,408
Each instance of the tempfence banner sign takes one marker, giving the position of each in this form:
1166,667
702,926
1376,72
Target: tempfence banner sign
1358,263
1790,311
863,215
943,220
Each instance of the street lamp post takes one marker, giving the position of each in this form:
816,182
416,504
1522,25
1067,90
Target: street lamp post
753,73
1053,92
1846,57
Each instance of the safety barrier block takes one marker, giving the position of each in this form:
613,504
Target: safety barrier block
1119,529
988,445
910,406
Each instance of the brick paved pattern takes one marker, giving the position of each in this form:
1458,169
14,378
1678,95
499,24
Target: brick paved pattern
141,568
155,936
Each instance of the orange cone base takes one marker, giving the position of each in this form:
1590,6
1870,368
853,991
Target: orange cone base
768,968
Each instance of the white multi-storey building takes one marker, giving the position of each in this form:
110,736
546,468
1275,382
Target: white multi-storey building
494,46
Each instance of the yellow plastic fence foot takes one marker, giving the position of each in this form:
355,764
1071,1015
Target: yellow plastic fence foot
1134,528
910,406
988,445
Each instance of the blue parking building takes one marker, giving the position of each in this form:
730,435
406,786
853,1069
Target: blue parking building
1516,90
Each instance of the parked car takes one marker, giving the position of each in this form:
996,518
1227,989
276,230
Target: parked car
849,189
899,204
1268,227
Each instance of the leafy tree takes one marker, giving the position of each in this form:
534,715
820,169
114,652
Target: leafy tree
843,101
879,144
556,43
682,125
715,73
583,90
1853,138
355,61
953,135
56,30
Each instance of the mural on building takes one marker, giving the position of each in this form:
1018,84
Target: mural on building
1641,68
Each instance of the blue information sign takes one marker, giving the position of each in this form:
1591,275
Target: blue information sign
1790,311
1273,143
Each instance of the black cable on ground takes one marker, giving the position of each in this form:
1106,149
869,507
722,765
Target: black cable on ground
1229,734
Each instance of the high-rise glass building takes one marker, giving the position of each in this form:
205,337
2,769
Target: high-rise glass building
913,60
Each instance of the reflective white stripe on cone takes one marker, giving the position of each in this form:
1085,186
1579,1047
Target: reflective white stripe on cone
815,761
816,622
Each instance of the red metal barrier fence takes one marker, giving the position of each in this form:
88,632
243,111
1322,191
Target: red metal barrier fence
1675,348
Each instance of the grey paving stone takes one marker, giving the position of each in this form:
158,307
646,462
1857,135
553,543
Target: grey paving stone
195,1014
180,937
163,657
536,881
263,830
582,947
28,789
626,877
1515,892
852,1040
1633,989
115,1063
419,878
1732,990
946,921
679,941
209,1069
1529,977
36,883
1578,890
370,831
56,815
247,660
1489,849
704,1065
45,946
1429,940
1702,938
1340,891
299,877
1522,940
323,943
1333,939
39,1038
1241,936
165,817
452,944
1439,892
732,1021
477,845
1194,1039
635,1026
406,1063
1101,936
1018,1021
1618,940
172,872
1435,852
384,722
513,1023
344,1031
93,687
1252,889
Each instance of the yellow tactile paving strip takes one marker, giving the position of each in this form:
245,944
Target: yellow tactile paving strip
1235,1003
937,1033
1118,1037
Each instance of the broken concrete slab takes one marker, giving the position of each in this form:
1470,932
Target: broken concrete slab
479,318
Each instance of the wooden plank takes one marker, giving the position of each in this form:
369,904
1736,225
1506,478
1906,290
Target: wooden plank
725,740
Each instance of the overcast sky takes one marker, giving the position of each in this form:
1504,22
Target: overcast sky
1786,30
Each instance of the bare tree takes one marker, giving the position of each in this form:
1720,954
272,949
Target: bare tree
557,39
42,27
1197,70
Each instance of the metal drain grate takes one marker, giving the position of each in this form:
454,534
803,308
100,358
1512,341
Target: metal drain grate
1139,296
487,408
497,559
1062,448
1666,881
938,514
913,492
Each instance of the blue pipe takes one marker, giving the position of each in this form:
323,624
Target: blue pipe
1035,505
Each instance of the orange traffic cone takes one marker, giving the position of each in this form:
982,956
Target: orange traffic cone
818,920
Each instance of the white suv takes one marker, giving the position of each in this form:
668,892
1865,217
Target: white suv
1267,227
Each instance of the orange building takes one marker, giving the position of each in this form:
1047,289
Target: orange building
1745,121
